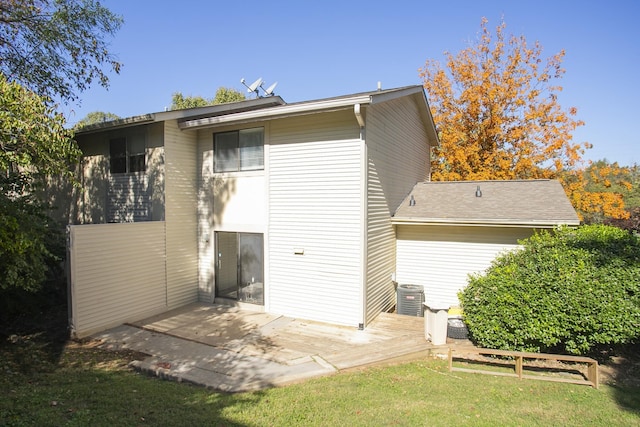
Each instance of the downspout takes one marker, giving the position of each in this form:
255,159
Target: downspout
357,111
364,171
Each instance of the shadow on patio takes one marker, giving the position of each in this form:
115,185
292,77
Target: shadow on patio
230,349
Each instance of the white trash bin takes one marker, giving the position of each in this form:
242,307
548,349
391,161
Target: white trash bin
436,315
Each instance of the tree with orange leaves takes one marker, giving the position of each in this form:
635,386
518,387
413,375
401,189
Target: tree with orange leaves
497,112
603,190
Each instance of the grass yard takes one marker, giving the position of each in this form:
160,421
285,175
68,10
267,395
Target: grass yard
44,384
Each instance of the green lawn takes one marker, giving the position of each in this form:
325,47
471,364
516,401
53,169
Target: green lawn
81,385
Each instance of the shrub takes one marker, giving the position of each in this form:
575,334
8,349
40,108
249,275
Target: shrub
570,290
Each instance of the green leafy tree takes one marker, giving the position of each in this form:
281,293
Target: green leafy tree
571,290
49,50
96,117
181,102
223,95
34,144
57,47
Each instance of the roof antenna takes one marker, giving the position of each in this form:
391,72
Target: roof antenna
257,85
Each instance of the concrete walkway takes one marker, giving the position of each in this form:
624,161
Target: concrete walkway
235,350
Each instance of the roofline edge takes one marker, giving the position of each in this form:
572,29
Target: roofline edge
486,223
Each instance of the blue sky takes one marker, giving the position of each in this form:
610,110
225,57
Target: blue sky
330,48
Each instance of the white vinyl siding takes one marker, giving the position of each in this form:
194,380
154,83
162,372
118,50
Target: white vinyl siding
315,208
117,274
229,201
181,215
440,258
398,158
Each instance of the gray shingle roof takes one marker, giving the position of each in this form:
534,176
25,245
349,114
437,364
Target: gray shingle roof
541,203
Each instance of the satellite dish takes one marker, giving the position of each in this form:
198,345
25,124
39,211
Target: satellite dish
270,89
255,85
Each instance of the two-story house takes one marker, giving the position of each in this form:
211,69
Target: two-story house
286,208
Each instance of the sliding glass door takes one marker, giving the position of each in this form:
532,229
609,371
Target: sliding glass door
240,266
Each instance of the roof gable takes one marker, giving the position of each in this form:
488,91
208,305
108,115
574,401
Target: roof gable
538,203
274,107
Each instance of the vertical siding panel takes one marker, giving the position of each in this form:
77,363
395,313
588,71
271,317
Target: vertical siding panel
181,215
92,200
156,171
440,258
206,250
398,158
118,274
315,206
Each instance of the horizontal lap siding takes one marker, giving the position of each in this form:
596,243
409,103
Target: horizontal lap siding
118,274
398,158
181,215
441,257
128,198
315,205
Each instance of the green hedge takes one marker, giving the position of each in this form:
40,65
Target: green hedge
569,290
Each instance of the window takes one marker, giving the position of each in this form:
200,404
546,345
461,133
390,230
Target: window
240,150
127,155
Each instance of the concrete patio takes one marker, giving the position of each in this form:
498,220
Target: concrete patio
233,350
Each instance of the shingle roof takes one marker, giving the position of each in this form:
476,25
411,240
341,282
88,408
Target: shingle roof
540,203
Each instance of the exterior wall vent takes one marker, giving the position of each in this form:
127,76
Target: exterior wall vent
410,300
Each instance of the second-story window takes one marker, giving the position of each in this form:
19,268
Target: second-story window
240,150
127,155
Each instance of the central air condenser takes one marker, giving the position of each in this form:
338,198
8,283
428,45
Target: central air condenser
410,300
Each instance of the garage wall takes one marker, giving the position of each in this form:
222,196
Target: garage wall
440,258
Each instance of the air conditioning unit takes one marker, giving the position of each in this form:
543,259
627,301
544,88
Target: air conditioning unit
410,299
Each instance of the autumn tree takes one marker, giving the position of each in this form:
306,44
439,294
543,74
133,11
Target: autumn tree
591,206
604,190
497,111
610,180
57,48
223,95
496,106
